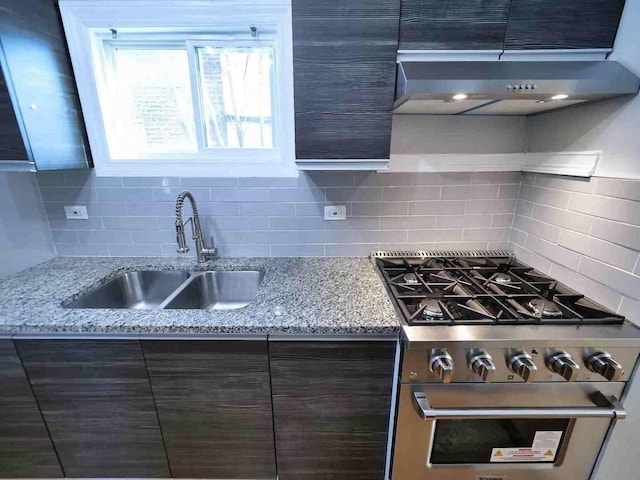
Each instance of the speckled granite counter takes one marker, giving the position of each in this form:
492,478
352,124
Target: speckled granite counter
333,295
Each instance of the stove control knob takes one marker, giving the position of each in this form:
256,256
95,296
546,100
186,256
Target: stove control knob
522,365
603,364
441,363
481,363
564,365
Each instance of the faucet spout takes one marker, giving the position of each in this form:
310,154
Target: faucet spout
203,253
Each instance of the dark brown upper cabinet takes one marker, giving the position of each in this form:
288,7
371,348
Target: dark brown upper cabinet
11,144
39,77
25,447
562,24
97,403
214,404
453,24
344,61
331,403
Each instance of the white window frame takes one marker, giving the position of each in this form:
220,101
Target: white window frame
88,25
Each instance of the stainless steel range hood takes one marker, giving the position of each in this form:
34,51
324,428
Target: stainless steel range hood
507,87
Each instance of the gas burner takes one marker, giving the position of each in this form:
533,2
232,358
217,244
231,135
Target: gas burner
544,308
411,278
496,289
502,278
431,308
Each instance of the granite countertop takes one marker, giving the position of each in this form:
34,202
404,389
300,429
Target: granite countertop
332,295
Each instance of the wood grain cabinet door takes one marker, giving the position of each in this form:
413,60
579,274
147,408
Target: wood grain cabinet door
37,61
453,24
25,447
11,144
97,403
214,404
540,24
344,63
331,403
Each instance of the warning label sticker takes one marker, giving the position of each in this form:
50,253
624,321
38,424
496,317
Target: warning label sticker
544,449
522,454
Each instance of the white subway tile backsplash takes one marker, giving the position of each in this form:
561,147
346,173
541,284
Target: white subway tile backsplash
545,196
586,286
469,192
446,178
395,194
104,236
539,229
494,178
297,250
509,191
431,236
518,237
524,208
130,223
349,250
627,211
490,206
626,235
615,278
408,223
464,221
599,249
563,218
380,209
502,220
619,188
314,194
354,194
116,250
553,252
125,195
388,179
379,236
437,207
631,309
82,250
488,234
279,216
324,236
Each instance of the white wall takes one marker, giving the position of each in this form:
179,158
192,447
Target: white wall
25,238
612,126
456,134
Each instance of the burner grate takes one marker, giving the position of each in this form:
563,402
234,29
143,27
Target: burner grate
443,288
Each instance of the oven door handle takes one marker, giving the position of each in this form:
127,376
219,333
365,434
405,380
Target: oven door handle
606,406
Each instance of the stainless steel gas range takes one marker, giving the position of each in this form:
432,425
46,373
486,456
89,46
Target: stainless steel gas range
506,374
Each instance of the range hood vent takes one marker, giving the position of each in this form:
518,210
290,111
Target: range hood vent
507,88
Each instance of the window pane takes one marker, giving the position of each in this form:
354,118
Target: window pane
236,96
151,103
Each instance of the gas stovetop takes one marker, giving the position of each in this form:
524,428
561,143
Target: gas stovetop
475,288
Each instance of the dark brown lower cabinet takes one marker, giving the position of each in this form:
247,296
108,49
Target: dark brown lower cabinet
25,447
331,403
97,403
214,404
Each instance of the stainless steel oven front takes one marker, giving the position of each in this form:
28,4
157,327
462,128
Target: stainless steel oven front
502,431
458,422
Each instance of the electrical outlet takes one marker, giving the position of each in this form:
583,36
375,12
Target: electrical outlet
76,213
335,212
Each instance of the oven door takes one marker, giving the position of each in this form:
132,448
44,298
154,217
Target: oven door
547,431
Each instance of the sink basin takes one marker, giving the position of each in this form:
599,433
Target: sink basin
219,290
135,290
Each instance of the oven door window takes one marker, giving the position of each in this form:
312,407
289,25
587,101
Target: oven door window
498,440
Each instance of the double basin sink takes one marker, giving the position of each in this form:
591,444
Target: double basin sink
148,290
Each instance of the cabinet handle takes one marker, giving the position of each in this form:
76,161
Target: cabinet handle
608,406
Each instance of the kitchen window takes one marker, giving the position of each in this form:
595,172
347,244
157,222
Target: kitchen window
211,93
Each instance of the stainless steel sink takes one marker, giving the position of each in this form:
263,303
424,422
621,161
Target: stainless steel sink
219,290
136,290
